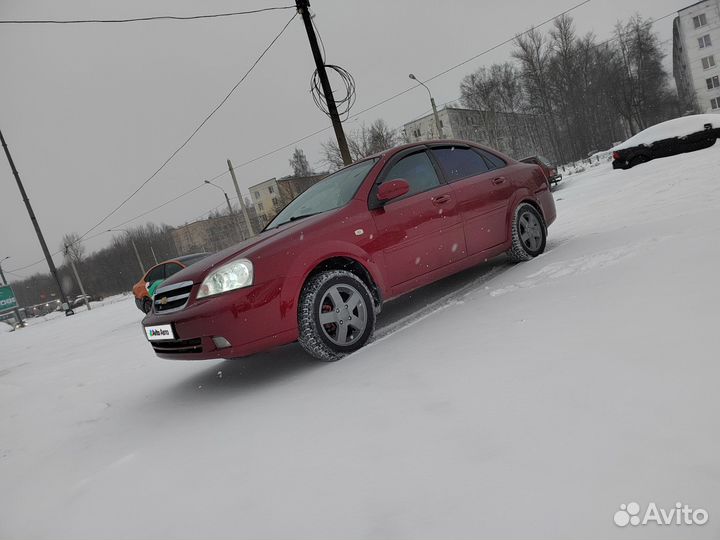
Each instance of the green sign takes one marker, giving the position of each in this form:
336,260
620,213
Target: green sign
7,298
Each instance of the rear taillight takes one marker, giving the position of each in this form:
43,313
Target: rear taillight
616,155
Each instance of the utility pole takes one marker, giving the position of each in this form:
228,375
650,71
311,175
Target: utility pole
248,223
303,8
77,277
153,254
43,245
137,253
4,282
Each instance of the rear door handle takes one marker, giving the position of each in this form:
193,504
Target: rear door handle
441,199
498,180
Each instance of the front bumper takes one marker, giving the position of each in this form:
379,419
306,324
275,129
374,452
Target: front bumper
251,319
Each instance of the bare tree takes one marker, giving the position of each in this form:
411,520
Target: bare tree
72,248
299,163
362,142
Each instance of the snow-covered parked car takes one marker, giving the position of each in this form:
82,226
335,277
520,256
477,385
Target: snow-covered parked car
676,136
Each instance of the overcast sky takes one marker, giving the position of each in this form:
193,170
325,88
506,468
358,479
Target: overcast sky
90,111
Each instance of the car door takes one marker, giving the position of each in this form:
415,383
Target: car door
421,231
482,191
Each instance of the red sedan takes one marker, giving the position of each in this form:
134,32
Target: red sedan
322,268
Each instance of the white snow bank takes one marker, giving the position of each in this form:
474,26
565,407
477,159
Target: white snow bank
677,127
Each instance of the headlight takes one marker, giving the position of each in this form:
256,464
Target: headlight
233,275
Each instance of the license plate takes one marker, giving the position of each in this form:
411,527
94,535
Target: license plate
159,333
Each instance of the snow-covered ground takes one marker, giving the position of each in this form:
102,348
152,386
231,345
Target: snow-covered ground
510,401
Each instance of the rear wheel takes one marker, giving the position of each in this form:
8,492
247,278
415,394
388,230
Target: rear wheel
336,315
528,234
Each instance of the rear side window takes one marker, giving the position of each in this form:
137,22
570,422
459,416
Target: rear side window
458,163
494,161
418,170
156,273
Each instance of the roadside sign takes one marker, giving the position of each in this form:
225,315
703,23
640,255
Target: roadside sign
7,298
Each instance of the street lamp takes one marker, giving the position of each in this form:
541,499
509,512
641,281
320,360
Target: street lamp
137,254
230,210
227,199
434,108
4,282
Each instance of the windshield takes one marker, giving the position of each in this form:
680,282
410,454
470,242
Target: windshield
333,192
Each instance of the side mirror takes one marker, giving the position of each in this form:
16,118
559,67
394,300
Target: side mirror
392,190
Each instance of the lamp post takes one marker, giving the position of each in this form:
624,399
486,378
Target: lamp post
137,254
230,210
227,199
434,108
4,282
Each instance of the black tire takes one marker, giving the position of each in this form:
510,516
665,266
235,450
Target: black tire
528,233
323,341
146,305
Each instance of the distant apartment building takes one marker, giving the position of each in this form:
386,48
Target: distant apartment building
518,135
696,56
214,233
271,196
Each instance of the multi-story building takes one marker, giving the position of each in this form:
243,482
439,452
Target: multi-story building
214,233
516,134
696,56
271,196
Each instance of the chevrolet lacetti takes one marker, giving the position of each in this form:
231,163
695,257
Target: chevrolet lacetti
377,229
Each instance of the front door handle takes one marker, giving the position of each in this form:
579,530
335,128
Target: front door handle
498,180
441,199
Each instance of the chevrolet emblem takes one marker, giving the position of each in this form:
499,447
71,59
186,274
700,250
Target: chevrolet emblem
163,300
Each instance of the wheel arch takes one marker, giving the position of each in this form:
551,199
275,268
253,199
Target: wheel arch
351,264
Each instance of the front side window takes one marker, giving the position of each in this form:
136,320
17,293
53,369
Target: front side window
418,170
156,273
333,192
708,62
171,269
458,163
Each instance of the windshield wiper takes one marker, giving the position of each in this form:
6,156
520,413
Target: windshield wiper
301,216
293,218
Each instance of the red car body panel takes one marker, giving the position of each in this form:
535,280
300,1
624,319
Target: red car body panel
405,244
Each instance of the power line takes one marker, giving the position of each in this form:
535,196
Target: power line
398,94
198,128
145,19
317,132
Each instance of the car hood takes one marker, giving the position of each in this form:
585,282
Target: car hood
197,271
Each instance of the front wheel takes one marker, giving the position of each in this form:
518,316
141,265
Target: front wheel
336,315
528,234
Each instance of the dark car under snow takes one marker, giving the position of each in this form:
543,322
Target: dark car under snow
677,136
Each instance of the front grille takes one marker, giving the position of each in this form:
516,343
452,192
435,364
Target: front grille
172,297
178,346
